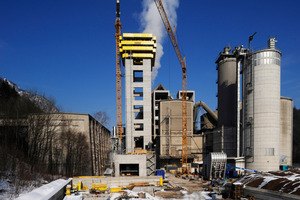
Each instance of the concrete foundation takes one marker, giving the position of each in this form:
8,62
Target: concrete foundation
118,181
135,165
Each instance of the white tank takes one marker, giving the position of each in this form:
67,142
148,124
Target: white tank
261,95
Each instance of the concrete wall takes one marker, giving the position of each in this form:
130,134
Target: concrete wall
224,140
97,139
141,160
171,132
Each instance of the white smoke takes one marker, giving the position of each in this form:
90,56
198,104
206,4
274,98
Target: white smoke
151,23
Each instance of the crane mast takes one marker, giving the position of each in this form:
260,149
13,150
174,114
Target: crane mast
167,25
118,72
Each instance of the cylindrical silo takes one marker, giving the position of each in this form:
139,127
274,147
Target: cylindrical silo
286,133
225,137
261,111
227,92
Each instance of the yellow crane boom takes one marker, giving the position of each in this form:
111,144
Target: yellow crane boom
167,25
118,72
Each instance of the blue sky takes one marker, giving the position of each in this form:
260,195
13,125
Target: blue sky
66,49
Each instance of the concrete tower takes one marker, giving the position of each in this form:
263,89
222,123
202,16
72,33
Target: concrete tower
138,55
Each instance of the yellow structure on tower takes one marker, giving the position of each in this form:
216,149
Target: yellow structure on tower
138,46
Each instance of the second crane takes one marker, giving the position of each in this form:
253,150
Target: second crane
167,25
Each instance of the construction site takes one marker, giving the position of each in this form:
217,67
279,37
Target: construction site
172,147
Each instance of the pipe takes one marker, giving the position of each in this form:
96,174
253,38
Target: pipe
206,108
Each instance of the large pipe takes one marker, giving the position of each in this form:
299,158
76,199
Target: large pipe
206,108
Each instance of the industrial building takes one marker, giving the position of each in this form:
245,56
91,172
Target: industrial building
67,143
254,128
252,125
98,139
167,128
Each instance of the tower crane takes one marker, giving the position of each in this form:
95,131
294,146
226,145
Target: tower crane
167,25
118,72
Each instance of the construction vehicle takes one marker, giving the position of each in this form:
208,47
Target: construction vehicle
118,73
169,29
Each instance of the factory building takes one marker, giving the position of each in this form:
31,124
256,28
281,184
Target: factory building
252,125
255,129
158,94
97,138
170,144
167,128
80,145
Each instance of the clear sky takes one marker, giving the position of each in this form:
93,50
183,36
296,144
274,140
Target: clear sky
66,49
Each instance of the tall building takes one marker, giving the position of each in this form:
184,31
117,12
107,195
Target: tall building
138,54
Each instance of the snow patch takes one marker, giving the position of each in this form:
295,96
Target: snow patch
46,191
133,195
266,181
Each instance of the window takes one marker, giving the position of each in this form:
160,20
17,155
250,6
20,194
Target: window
138,112
139,142
269,151
137,76
138,126
138,94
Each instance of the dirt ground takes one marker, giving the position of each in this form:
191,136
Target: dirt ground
177,187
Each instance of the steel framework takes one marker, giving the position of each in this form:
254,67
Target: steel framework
118,72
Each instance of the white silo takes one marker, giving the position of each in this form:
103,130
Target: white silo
261,108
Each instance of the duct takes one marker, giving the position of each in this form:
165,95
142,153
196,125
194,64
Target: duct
206,108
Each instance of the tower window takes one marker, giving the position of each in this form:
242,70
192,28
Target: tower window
138,93
137,76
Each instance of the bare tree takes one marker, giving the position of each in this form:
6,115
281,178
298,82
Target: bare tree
102,117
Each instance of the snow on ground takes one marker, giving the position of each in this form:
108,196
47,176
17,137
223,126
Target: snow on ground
11,190
44,192
133,195
282,181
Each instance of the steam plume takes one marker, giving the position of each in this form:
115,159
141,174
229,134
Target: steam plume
151,23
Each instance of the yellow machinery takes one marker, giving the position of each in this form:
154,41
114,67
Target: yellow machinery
98,187
68,190
168,27
115,189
